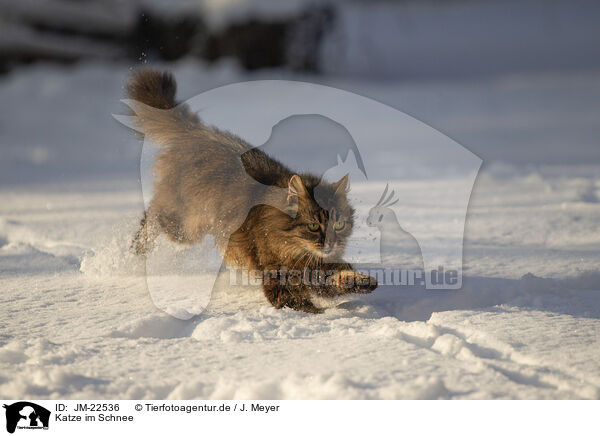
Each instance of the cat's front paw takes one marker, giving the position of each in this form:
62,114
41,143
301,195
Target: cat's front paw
352,282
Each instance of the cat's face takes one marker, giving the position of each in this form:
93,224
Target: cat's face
324,219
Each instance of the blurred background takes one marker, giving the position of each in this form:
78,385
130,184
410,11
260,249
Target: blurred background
516,82
385,39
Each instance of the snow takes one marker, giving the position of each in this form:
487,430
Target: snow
77,320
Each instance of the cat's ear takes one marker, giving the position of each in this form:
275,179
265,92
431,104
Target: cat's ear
342,186
296,189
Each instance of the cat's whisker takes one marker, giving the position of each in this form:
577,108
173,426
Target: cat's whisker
300,259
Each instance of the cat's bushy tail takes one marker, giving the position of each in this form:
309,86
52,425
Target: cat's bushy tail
153,88
161,119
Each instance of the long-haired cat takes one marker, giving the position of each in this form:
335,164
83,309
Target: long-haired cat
263,216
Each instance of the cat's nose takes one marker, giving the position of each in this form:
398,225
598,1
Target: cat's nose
327,248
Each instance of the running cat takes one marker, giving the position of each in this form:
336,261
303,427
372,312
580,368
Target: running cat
263,216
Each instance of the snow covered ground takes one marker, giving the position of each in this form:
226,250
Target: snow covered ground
77,321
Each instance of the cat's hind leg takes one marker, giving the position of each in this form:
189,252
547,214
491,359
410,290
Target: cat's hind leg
171,224
143,241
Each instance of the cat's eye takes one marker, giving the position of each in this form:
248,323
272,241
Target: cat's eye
313,227
339,225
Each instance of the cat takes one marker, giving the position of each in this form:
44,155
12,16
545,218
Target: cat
264,217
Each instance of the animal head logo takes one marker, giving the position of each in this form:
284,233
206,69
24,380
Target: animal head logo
26,415
398,248
382,213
